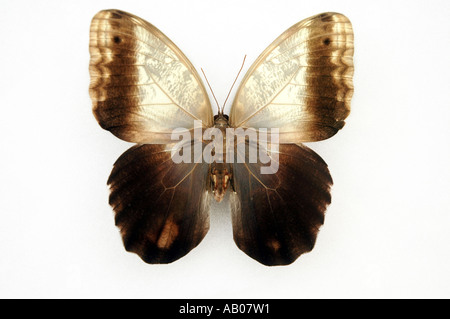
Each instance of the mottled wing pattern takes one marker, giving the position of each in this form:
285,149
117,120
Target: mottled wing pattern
142,85
276,217
302,83
162,208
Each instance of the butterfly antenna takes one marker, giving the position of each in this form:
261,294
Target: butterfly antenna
242,66
217,103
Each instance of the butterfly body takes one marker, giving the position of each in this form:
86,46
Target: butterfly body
221,171
144,89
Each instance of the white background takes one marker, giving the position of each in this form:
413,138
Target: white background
387,232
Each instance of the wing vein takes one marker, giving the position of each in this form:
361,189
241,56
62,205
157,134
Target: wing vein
170,98
267,104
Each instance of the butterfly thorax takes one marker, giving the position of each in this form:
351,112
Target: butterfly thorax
221,173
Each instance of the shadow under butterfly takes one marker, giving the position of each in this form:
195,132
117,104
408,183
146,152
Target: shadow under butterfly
143,87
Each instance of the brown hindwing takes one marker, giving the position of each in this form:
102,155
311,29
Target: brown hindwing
162,208
276,217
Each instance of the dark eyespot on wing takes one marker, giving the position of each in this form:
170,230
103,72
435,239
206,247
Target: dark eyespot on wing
326,17
117,15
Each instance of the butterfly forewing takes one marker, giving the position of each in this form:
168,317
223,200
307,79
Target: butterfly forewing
302,83
142,85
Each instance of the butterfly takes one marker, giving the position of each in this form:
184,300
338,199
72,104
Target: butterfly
143,88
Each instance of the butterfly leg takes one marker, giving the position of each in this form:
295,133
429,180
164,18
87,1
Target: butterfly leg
232,179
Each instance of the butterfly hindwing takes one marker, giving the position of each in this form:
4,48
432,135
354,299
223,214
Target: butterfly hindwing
276,217
161,208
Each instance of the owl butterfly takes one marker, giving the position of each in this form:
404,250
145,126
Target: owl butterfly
143,87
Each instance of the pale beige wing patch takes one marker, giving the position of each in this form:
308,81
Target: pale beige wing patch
302,83
142,86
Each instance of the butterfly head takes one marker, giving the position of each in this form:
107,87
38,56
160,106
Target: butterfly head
221,120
